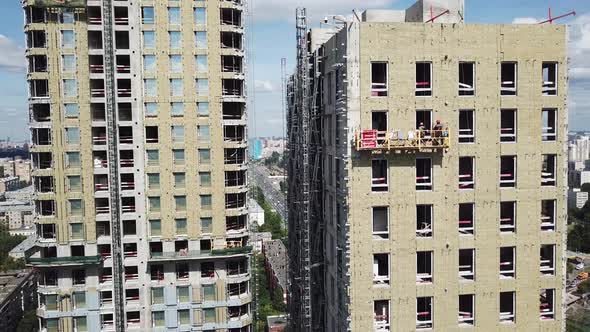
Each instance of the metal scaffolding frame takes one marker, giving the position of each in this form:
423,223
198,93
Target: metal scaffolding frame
305,214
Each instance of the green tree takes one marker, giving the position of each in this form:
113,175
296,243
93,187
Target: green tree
273,222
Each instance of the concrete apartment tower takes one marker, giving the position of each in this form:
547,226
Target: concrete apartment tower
138,120
405,228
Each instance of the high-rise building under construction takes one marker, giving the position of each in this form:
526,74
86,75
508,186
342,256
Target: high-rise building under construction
138,124
427,173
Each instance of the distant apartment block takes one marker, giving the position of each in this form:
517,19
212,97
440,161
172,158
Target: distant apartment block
401,223
17,296
276,265
8,184
577,198
18,167
16,214
139,156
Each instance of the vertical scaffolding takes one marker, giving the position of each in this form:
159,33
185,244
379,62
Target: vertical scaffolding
306,291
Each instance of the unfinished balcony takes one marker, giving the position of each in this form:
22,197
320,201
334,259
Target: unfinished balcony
424,221
548,215
42,160
466,310
106,276
97,112
507,306
381,314
233,111
132,319
38,89
97,89
508,217
547,304
507,263
125,135
121,15
549,79
234,156
96,64
236,224
101,206
235,179
94,15
424,313
36,39
127,204
380,269
237,268
47,232
103,229
425,266
548,170
123,64
35,15
466,264
124,88
232,64
234,134
44,184
41,136
547,259
40,114
127,181
125,112
235,201
131,273
129,250
107,321
99,136
151,134
231,17
232,89
232,40
508,78
104,250
122,40
100,159
94,40
237,290
37,63
126,159
466,219
45,208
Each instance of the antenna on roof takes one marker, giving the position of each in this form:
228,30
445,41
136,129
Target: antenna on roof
551,19
432,17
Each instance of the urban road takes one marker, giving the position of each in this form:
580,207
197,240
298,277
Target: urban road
271,189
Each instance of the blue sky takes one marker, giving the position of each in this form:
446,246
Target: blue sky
273,38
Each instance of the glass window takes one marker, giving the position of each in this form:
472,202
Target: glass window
151,109
183,294
209,315
153,157
176,63
150,87
209,292
206,225
200,15
177,134
72,135
174,15
158,318
206,202
149,63
68,39
153,181
52,324
67,17
178,155
74,183
203,109
77,231
68,63
158,295
73,159
180,203
177,109
149,39
179,180
205,179
203,133
176,87
79,300
71,110
147,14
204,156
202,86
201,39
201,63
180,226
155,227
175,39
70,88
184,317
154,204
80,324
75,207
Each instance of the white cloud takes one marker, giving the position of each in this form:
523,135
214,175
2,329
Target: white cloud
284,10
265,87
11,55
525,20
